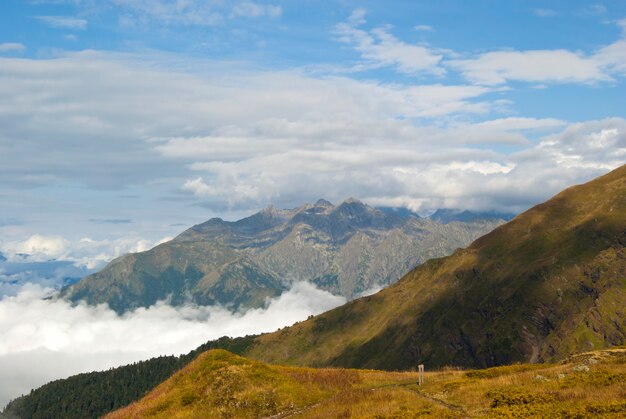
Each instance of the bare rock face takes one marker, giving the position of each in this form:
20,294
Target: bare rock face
346,249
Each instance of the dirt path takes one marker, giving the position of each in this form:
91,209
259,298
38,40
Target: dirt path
442,403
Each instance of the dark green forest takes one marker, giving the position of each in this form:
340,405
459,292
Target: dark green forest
91,395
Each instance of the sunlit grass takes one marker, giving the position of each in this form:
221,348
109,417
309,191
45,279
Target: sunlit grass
222,385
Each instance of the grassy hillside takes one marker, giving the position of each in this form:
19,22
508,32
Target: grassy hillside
91,395
549,283
219,384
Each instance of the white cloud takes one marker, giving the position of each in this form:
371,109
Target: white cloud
357,17
541,66
110,138
440,172
425,28
546,66
39,248
613,56
38,336
64,22
11,47
379,48
250,9
84,252
372,140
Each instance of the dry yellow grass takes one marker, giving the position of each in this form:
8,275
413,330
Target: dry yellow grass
222,385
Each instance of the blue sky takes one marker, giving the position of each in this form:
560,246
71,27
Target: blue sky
125,121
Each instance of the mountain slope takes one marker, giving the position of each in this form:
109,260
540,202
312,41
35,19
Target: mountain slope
220,384
549,283
345,249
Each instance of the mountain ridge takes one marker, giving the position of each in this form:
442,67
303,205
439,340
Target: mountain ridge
344,249
546,284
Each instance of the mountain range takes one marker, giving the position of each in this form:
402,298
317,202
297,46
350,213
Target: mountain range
346,249
548,284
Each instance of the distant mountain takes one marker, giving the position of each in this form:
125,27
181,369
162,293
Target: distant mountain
346,249
448,215
549,283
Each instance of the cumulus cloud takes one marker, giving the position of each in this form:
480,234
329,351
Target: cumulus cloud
43,339
83,252
64,22
559,66
379,48
388,144
546,66
423,177
115,140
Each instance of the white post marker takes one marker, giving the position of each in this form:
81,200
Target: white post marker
420,368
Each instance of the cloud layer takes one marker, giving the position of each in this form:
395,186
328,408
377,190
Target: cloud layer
41,340
392,121
367,139
85,252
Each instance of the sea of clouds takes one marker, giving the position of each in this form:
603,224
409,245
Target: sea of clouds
43,338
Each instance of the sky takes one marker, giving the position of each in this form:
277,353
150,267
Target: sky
124,122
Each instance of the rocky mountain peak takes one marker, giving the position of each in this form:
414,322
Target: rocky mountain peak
323,203
351,201
353,208
270,210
